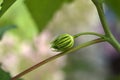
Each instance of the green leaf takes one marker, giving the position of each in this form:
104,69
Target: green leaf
42,11
4,75
5,5
114,5
1,1
4,29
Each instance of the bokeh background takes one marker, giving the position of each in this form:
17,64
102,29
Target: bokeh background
25,46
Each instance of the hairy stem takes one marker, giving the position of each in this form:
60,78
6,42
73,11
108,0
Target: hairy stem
57,56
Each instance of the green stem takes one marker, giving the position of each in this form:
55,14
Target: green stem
102,17
57,56
88,33
108,34
114,43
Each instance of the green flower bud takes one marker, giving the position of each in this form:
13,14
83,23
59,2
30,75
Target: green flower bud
63,42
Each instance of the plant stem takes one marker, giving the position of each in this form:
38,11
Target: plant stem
114,43
88,33
57,56
108,34
101,14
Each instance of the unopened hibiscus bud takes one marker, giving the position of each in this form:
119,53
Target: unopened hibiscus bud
63,42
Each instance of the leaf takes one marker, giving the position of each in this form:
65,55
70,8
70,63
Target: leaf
42,11
4,75
114,5
4,29
5,5
1,1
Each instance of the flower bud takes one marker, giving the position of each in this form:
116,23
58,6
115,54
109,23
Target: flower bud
63,42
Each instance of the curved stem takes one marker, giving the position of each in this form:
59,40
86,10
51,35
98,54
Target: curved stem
57,56
88,33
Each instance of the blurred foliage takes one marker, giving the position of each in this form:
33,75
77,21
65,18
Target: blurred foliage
114,5
5,5
117,77
4,29
42,11
18,15
4,75
0,3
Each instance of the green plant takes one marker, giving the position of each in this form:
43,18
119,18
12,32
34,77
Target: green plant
64,43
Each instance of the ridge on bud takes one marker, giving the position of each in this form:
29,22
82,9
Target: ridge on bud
63,42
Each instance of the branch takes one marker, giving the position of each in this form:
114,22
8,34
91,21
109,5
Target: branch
57,56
